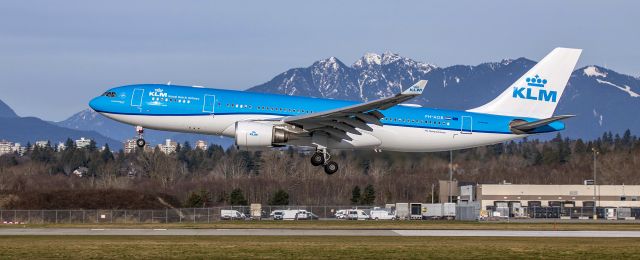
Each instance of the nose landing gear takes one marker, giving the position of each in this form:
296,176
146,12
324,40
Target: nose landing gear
322,157
140,142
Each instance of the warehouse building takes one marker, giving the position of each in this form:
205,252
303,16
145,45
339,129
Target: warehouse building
545,200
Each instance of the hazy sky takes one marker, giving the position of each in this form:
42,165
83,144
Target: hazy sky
56,55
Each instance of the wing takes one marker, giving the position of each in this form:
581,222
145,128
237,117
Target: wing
351,119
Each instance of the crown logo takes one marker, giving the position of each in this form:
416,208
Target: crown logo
536,82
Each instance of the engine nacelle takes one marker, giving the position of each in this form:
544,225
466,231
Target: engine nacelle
258,135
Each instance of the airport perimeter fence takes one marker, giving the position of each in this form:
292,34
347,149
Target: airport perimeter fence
213,214
175,215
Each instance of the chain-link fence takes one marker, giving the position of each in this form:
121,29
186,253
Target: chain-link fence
175,215
213,214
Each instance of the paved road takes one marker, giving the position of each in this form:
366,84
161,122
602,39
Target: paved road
310,232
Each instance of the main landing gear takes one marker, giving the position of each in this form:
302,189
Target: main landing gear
140,142
322,157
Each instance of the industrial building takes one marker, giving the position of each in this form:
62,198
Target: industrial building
545,200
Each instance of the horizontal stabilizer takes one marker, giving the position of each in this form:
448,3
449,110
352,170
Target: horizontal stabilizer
523,127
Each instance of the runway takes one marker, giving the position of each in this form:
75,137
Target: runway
309,232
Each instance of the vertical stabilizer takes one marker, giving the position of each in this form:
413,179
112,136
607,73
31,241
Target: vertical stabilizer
537,92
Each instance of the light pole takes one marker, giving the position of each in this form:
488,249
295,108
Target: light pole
595,154
450,173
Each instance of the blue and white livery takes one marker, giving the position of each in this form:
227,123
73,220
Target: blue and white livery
257,120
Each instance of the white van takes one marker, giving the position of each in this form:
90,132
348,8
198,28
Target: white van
357,214
381,214
228,214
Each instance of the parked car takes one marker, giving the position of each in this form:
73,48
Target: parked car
278,215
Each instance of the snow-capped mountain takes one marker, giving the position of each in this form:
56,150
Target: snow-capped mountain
602,99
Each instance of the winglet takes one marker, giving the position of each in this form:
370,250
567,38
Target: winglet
416,89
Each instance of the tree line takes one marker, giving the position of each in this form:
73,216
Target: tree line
218,176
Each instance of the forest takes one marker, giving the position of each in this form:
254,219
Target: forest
43,178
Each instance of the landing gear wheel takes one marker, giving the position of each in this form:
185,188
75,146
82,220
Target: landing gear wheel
317,159
331,167
141,142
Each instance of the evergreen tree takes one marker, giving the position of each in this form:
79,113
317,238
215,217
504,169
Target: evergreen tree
237,198
281,197
92,146
369,195
69,144
626,139
355,195
106,154
580,147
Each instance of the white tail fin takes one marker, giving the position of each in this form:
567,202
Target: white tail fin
538,91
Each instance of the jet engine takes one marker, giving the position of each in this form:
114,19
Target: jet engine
250,135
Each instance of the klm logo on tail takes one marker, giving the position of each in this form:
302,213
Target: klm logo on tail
535,91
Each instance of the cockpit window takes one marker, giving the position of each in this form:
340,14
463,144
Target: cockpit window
109,94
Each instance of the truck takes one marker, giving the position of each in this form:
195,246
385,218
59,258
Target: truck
402,211
381,214
432,210
256,211
229,214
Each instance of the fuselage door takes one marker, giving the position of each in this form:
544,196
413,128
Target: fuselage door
136,98
466,126
209,104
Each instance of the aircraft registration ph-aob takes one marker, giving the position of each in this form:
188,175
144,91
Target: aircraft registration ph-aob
259,121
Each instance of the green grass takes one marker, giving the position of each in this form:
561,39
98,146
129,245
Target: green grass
83,247
360,225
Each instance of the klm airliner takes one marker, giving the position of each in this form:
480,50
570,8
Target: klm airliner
259,121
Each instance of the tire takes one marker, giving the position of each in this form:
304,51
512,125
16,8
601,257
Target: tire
141,142
317,159
331,167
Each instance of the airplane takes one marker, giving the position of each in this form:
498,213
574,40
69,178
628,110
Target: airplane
261,121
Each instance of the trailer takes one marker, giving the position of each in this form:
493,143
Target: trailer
432,210
256,211
416,210
402,211
449,210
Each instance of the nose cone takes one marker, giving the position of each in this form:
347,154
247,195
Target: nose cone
96,104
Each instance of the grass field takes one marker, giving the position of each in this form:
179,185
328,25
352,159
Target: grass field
362,225
83,247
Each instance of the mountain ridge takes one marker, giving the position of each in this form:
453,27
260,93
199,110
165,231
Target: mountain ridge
459,87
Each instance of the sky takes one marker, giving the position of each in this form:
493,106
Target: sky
56,55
